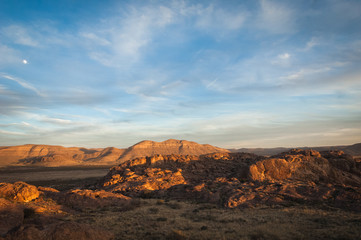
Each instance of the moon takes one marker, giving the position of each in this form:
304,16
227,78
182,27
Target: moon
25,61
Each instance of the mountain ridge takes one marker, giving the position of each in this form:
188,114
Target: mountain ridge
354,149
54,156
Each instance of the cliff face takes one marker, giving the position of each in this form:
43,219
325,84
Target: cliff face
53,156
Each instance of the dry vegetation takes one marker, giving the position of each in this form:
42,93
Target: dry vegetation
162,219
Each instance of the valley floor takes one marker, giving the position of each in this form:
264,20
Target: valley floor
162,219
61,178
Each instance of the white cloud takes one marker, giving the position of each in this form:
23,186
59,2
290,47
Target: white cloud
213,17
8,55
20,35
275,18
284,56
22,83
96,39
57,121
282,60
310,44
7,133
121,41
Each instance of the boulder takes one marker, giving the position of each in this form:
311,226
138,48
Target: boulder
19,191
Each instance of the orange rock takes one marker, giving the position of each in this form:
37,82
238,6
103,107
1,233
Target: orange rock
19,191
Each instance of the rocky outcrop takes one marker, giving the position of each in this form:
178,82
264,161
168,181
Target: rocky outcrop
27,212
89,199
241,179
334,167
19,191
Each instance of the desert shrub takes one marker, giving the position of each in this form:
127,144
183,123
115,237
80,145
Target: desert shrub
176,235
160,202
153,210
174,205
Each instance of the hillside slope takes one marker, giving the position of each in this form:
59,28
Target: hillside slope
171,146
54,156
354,150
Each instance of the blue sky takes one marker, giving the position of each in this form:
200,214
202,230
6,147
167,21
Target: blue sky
228,73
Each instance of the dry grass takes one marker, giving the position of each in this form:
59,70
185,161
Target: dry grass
159,219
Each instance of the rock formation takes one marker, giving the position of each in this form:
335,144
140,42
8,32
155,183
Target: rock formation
28,212
241,179
19,191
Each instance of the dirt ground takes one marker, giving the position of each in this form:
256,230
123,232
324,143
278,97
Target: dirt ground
162,219
61,178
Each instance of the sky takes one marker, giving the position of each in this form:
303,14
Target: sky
252,73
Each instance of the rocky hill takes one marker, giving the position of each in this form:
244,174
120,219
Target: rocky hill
53,156
354,150
243,179
171,146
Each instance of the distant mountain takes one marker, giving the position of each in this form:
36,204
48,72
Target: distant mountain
354,150
171,146
53,156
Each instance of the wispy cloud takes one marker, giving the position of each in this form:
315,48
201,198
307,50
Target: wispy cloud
22,83
311,43
20,35
8,55
213,17
275,17
123,39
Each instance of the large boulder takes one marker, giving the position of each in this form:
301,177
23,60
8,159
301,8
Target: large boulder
19,191
308,165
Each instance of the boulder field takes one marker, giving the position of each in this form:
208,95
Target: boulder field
243,179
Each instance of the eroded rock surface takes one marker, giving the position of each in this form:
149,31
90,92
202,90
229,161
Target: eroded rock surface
19,191
28,212
242,179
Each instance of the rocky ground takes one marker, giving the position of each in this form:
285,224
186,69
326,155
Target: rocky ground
299,194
